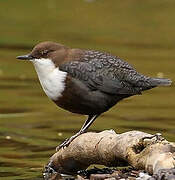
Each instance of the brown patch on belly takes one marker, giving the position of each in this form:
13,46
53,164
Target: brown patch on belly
71,98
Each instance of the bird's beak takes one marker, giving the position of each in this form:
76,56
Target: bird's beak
25,57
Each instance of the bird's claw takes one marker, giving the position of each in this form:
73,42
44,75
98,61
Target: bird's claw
49,171
67,141
63,144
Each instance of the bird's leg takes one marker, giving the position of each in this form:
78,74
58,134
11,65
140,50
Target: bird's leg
88,122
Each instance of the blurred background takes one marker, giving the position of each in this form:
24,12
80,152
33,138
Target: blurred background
31,126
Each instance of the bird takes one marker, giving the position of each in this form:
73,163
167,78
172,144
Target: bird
87,82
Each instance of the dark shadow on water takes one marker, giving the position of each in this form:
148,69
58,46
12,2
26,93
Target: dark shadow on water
31,156
43,126
159,119
8,174
15,47
156,129
149,107
23,146
14,164
15,86
14,110
18,79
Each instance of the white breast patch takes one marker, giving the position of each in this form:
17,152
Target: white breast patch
51,78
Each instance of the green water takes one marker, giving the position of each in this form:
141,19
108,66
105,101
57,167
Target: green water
31,126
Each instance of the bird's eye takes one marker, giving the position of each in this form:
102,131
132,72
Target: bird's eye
44,52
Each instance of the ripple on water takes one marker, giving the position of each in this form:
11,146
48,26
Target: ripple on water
15,112
8,174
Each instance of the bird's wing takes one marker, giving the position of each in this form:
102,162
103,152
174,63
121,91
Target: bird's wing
106,73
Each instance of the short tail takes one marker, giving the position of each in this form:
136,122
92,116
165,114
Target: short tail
160,82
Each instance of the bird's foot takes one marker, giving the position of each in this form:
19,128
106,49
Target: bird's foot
67,141
49,171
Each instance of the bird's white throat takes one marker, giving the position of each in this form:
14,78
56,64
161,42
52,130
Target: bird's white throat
51,78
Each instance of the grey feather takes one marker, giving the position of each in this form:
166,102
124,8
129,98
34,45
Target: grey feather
109,74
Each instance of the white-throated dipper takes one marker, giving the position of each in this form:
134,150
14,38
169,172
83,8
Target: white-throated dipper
87,82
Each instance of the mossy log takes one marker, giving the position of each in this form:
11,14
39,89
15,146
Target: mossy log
138,149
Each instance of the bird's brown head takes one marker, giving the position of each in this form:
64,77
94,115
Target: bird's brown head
43,50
